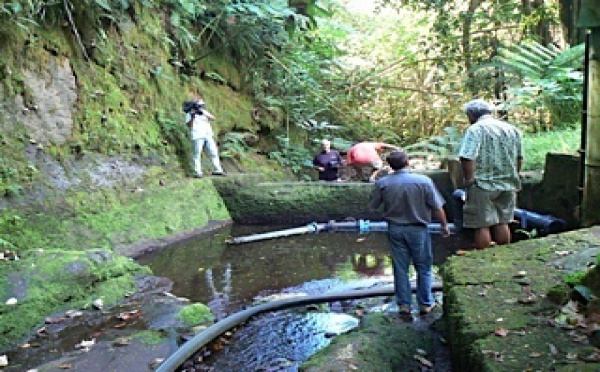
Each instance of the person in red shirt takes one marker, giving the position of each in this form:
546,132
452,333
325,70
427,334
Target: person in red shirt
365,159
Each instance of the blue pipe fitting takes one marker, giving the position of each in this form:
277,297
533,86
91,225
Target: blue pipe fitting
363,226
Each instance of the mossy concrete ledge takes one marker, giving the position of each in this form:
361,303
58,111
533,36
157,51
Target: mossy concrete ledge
114,219
254,200
498,309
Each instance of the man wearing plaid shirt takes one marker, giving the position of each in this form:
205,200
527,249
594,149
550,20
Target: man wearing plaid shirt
491,155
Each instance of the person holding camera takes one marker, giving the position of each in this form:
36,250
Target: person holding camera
198,120
327,162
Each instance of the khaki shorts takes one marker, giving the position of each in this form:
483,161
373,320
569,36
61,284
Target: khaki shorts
485,208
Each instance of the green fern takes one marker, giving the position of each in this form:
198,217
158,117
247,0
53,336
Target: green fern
439,146
542,77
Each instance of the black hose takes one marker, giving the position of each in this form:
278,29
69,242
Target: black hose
208,335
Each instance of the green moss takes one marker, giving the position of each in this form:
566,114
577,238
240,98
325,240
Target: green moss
149,337
592,279
113,220
483,292
542,348
251,200
559,293
54,280
380,344
195,314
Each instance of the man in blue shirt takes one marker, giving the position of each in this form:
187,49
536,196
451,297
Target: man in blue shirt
408,201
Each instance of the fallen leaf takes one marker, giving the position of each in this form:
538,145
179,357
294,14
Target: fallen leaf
122,341
535,355
528,300
120,325
570,307
65,366
42,331
562,253
73,313
421,352
501,332
86,344
493,354
129,315
98,304
12,301
359,240
156,362
553,349
53,320
423,361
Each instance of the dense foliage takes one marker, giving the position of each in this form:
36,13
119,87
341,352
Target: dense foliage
312,73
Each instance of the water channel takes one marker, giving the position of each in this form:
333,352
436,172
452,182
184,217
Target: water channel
229,278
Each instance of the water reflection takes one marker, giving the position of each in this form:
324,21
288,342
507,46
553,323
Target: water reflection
220,299
229,277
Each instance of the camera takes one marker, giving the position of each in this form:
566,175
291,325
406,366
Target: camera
193,107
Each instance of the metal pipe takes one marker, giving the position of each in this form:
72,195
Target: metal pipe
310,228
363,226
208,335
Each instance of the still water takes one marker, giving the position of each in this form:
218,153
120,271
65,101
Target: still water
229,278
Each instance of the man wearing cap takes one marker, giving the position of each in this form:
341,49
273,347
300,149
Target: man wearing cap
491,155
198,120
409,200
327,162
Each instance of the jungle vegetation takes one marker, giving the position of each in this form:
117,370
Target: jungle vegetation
398,71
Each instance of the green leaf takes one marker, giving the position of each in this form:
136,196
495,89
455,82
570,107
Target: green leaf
103,4
584,291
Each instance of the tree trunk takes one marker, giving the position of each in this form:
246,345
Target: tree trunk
591,187
542,26
466,44
569,14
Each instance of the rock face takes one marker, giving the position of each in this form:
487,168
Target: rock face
49,114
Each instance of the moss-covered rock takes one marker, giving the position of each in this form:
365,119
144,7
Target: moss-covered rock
47,281
195,314
498,313
380,344
114,220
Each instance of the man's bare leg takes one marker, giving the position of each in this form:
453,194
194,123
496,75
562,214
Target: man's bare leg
483,238
501,234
